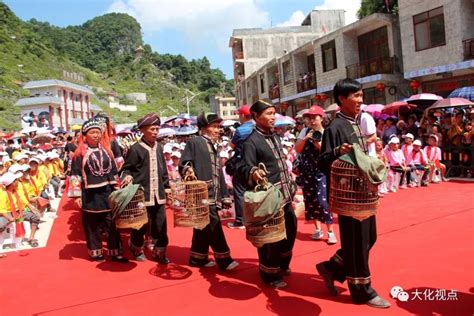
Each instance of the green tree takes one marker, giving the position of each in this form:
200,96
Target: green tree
368,7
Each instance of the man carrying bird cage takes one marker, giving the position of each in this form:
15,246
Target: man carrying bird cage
263,146
351,261
145,165
200,160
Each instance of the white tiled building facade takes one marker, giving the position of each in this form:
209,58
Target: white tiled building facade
60,102
224,106
379,51
440,58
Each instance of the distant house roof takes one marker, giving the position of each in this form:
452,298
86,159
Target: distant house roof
38,100
54,82
95,107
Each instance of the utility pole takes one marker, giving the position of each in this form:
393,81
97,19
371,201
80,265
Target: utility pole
188,97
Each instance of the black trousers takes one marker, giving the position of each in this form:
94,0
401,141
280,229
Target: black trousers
402,173
275,257
96,223
351,262
239,190
212,235
158,229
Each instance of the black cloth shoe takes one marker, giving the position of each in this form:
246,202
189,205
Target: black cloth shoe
163,260
119,259
285,272
278,284
98,258
378,302
328,279
236,225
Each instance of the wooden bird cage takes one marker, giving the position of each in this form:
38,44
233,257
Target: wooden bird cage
190,203
351,193
134,215
269,231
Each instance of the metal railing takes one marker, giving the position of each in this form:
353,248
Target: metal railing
381,65
306,82
239,55
468,46
274,91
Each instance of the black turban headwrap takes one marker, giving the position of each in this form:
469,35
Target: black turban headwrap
148,120
205,119
260,105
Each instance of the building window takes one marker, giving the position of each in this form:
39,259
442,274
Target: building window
328,51
373,45
374,96
224,113
286,72
77,98
224,103
262,83
429,29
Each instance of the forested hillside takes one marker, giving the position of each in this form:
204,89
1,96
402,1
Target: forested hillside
103,51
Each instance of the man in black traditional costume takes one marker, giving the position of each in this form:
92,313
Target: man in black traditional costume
263,146
200,158
145,165
93,166
351,261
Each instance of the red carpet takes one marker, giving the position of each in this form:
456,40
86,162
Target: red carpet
425,243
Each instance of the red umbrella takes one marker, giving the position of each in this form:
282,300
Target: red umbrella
450,103
394,107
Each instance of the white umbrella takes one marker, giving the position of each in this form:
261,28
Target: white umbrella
29,129
332,108
166,131
227,123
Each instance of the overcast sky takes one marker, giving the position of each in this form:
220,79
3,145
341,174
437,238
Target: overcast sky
193,28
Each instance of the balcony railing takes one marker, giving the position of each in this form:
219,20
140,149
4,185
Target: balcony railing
274,91
239,55
382,65
306,82
468,48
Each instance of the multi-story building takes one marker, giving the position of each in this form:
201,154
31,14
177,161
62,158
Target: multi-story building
58,101
430,44
224,106
438,44
253,48
368,50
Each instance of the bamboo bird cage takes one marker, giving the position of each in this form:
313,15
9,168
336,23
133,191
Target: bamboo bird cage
190,203
351,193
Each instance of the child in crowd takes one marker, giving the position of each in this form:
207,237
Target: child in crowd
407,146
419,164
397,162
383,188
433,155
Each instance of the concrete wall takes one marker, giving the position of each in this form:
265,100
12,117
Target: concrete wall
458,22
122,107
136,96
328,20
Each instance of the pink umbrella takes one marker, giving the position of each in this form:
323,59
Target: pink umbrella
450,103
424,99
374,108
394,107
